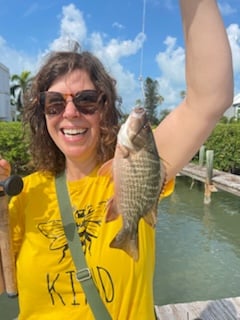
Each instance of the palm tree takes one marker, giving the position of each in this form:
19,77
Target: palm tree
182,94
20,83
152,99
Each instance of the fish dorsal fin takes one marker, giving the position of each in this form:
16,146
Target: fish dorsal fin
106,168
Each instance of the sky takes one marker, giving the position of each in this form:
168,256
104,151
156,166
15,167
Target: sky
134,39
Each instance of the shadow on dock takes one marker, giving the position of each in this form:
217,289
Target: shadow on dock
222,309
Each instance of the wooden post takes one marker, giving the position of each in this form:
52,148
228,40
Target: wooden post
209,164
201,155
209,187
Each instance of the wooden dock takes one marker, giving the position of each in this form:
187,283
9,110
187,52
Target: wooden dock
223,309
221,180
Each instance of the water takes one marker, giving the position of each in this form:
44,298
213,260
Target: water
198,248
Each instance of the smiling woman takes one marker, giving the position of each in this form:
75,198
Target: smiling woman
82,146
88,100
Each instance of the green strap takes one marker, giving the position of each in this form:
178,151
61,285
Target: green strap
83,273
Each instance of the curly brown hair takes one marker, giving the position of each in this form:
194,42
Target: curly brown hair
45,154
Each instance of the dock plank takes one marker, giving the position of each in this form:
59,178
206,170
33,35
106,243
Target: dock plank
222,309
221,180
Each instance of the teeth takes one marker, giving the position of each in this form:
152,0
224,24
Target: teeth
73,132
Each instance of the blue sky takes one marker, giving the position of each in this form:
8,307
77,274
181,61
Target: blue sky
113,30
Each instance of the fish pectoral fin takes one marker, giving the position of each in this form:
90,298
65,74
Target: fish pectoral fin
112,212
151,218
106,168
127,244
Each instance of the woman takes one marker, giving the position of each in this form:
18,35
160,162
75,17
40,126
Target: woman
78,137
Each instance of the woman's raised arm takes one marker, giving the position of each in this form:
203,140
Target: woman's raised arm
209,85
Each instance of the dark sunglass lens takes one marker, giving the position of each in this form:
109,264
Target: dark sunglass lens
54,103
91,109
86,101
86,96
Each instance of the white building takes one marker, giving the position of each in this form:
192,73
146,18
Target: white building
233,111
236,105
5,106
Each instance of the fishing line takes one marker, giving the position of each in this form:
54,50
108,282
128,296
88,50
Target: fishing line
141,55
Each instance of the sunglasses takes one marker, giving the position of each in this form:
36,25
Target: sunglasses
54,103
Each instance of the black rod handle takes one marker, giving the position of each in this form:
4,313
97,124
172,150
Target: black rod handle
13,185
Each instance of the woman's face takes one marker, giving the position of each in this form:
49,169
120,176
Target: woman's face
76,134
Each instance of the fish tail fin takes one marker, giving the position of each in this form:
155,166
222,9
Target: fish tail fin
126,243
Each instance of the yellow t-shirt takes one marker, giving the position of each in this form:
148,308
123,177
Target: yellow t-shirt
45,271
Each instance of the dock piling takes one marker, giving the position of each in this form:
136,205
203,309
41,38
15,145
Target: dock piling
209,187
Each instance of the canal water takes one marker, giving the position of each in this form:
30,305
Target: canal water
198,248
198,245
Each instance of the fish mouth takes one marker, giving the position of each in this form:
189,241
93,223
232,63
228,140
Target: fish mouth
144,126
141,114
131,130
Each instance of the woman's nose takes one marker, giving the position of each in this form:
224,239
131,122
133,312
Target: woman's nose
70,110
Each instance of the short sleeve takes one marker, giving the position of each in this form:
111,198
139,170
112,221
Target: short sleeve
168,189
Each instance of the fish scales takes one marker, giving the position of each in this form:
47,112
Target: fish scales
139,183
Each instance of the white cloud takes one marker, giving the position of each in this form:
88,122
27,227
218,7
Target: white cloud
115,49
110,54
171,63
73,27
233,32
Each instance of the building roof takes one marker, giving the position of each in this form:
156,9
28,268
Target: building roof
236,100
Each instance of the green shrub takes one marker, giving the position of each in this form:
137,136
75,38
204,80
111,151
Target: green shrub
225,142
13,147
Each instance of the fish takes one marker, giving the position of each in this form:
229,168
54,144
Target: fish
139,177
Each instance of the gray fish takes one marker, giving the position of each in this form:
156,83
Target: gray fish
139,176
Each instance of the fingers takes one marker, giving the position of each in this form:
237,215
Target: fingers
5,168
